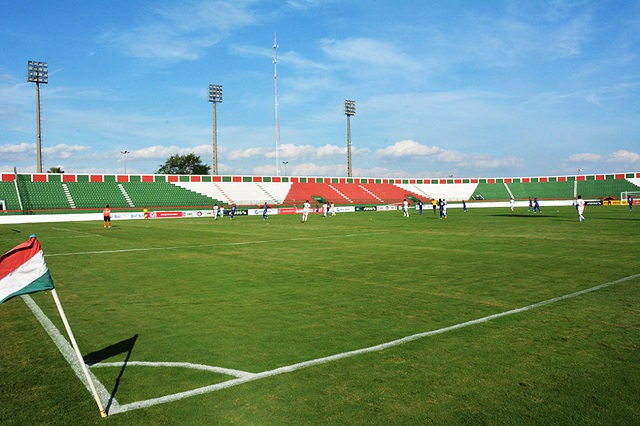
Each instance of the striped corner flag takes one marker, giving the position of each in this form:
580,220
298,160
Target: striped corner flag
23,271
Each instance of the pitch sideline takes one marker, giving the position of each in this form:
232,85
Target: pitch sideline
241,243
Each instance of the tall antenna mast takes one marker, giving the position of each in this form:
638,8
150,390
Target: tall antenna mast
275,79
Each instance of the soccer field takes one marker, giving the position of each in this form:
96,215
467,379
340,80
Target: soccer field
488,316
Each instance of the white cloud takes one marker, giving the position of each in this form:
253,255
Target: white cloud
314,169
370,52
585,157
623,156
408,148
63,151
291,152
182,30
244,154
163,152
20,148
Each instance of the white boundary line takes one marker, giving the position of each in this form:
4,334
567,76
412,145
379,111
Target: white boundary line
241,243
244,377
69,354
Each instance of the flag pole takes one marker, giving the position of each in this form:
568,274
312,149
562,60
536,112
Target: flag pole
103,413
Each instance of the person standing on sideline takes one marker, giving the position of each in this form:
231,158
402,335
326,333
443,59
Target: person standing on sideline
265,210
420,207
215,211
305,211
512,203
536,206
434,204
580,205
145,213
630,202
405,208
106,215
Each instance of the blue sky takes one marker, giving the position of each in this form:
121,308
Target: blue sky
464,88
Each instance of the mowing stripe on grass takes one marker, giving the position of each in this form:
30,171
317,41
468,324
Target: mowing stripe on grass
83,234
288,240
244,377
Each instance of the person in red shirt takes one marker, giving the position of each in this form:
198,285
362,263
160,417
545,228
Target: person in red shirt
107,216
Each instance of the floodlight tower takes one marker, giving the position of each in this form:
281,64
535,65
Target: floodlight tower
349,110
215,96
125,160
275,83
38,72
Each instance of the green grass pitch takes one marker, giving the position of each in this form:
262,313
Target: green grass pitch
254,296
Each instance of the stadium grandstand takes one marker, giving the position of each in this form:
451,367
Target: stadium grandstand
42,192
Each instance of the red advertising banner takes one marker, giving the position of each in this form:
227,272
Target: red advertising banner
289,210
167,214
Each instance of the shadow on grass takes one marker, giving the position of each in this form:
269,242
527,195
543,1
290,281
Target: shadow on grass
125,346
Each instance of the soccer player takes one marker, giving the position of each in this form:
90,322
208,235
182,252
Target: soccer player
536,205
305,211
333,209
232,213
215,211
265,210
434,204
405,208
145,212
630,202
530,205
420,206
106,215
580,205
512,203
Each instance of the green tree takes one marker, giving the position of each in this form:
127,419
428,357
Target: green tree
189,164
55,170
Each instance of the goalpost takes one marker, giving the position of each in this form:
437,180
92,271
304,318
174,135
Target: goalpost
624,194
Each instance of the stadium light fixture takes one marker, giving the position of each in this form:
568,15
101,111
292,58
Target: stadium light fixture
215,96
349,110
38,73
125,160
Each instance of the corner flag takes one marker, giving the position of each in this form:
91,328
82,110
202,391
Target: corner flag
23,271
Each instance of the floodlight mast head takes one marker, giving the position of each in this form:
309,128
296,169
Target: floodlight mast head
38,73
215,93
349,110
215,96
